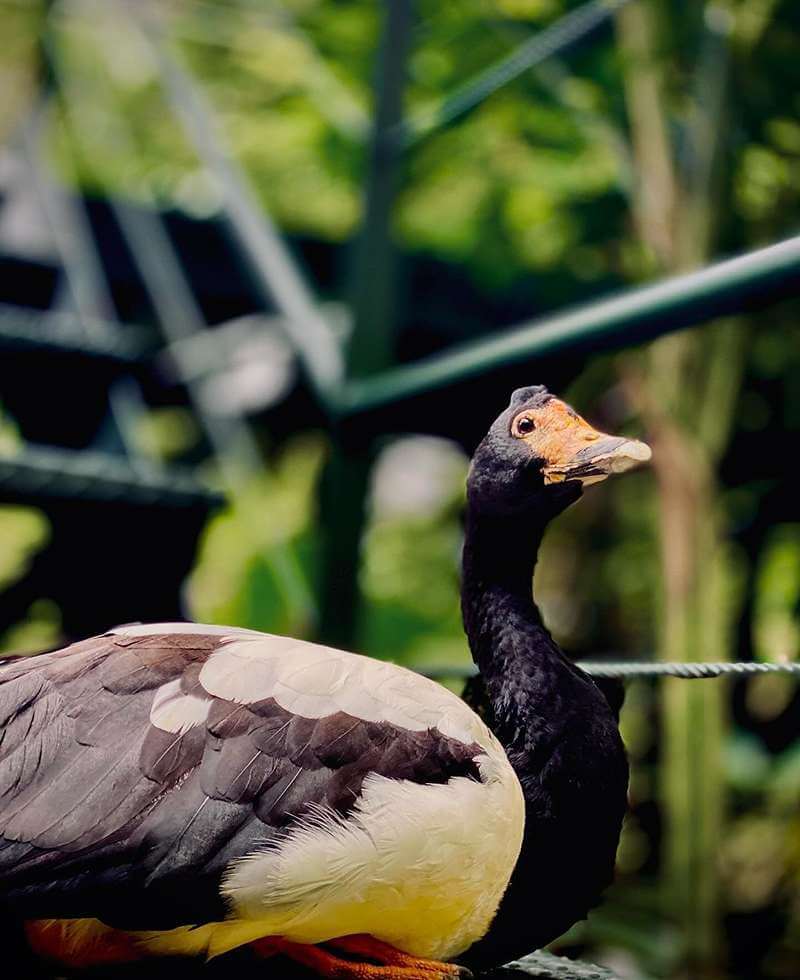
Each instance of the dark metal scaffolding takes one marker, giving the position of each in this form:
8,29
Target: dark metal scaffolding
354,386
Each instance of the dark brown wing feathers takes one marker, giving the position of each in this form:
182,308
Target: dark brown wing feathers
102,811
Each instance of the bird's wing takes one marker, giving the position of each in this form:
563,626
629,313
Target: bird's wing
161,754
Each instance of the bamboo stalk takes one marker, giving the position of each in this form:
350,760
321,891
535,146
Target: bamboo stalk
686,389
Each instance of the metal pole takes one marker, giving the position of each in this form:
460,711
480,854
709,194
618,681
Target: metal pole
374,267
346,479
65,332
632,317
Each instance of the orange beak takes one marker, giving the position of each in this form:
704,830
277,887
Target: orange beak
574,450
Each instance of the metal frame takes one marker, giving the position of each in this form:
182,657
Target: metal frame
39,473
66,333
638,315
349,391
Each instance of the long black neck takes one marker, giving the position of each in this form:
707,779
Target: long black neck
559,734
523,669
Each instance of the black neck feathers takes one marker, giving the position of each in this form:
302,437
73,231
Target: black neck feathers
533,689
555,724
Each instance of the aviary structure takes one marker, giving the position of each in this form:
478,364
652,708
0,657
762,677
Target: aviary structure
188,789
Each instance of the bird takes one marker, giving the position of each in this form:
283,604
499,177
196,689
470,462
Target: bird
186,790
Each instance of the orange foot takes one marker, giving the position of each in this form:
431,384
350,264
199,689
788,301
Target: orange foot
80,943
376,960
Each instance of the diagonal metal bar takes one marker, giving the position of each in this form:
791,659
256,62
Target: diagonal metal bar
181,320
555,39
65,332
69,227
81,256
638,315
274,271
64,212
47,472
233,443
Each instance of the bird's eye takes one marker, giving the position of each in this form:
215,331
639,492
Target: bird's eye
524,425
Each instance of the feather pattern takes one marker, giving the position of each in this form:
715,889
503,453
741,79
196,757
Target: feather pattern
180,776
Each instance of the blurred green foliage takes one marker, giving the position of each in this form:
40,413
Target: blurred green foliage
237,578
777,595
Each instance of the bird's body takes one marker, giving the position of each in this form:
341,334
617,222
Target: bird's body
197,788
176,775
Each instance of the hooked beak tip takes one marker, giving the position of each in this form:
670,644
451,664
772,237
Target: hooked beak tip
594,463
632,452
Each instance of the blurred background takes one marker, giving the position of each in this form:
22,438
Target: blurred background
228,226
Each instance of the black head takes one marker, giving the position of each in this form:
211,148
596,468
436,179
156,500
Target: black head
539,454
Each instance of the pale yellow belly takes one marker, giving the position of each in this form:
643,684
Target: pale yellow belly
418,866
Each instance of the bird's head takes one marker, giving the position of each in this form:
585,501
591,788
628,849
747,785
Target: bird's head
539,454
